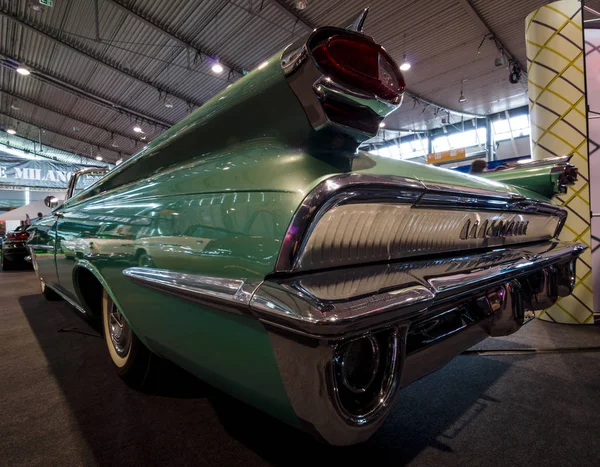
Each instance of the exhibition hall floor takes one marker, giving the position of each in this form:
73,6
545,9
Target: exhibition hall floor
60,404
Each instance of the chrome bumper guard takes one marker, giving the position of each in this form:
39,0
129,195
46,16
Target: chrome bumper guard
346,340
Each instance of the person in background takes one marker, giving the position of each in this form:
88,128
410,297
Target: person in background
27,220
38,218
478,166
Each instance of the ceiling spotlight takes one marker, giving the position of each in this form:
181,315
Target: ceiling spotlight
11,131
217,68
462,97
23,71
76,129
382,124
300,4
499,61
98,158
114,144
168,102
405,65
15,107
137,129
35,5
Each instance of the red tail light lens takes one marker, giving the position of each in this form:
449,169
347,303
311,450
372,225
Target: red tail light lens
18,236
361,64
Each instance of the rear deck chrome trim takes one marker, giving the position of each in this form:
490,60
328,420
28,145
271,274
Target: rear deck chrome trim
357,187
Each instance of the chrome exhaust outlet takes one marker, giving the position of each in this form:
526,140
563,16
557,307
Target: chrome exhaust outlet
505,303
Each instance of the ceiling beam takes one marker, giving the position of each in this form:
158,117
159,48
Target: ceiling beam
56,157
54,37
93,97
66,115
172,35
476,17
58,132
98,100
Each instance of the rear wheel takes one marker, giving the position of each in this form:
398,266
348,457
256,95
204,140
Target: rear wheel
6,265
130,358
48,293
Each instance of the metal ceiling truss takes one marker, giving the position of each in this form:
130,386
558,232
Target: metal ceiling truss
110,132
62,40
470,9
93,97
188,46
61,133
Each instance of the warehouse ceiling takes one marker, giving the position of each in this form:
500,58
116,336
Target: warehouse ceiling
102,68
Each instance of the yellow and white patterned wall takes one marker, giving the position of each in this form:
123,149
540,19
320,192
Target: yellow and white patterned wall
557,106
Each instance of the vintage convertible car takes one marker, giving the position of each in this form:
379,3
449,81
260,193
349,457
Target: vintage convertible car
311,280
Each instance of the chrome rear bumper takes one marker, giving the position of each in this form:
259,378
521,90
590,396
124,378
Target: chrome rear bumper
413,316
419,314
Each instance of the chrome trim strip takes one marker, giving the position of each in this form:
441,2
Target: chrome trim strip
356,186
36,246
71,302
223,293
289,303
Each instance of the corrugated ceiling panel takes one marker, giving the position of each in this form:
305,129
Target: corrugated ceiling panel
441,41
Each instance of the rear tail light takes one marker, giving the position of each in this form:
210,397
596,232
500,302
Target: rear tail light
361,64
18,236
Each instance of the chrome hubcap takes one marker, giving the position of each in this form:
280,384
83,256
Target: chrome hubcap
119,330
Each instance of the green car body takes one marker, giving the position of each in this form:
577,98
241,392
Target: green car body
214,201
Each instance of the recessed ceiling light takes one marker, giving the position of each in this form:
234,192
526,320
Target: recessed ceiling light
137,129
11,131
405,65
15,107
76,129
217,68
301,4
23,71
98,158
168,102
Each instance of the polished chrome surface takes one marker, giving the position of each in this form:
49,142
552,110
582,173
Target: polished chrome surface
350,300
229,294
65,297
354,233
355,188
75,175
118,330
36,246
358,21
341,361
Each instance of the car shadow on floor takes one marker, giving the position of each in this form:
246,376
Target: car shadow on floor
179,420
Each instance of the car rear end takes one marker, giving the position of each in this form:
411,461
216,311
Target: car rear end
14,249
387,270
384,275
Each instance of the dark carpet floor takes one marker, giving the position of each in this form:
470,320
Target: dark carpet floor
61,405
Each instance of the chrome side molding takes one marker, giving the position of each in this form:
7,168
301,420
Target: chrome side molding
352,300
223,293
